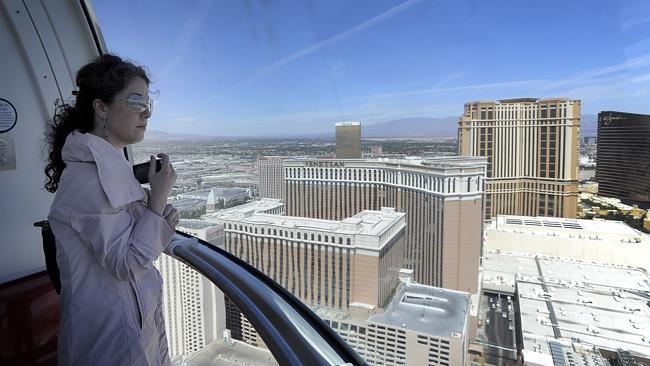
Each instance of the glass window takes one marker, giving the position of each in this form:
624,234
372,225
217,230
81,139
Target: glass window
244,82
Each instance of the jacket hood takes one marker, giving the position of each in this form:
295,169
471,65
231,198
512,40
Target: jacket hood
115,172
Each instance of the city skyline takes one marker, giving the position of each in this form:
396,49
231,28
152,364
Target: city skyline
511,242
293,68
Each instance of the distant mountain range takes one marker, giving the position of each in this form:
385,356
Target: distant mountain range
412,127
404,127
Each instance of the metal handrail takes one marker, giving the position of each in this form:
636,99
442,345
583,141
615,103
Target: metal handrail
294,334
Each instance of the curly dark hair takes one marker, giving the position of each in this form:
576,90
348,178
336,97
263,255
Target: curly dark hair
101,79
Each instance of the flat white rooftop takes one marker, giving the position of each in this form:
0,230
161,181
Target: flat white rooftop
261,205
221,192
592,240
220,352
559,353
502,270
426,309
187,203
574,228
195,224
587,302
415,307
367,222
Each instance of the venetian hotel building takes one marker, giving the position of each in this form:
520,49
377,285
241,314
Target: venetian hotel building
349,273
322,262
442,199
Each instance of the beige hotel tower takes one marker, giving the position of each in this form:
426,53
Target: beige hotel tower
532,150
322,262
350,272
442,199
348,140
269,169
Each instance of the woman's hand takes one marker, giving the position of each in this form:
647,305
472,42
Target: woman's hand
161,183
171,215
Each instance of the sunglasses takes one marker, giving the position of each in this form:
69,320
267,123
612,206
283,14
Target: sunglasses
138,103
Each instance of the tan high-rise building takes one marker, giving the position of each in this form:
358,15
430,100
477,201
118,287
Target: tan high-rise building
348,140
442,199
193,307
349,273
271,184
420,325
532,150
317,259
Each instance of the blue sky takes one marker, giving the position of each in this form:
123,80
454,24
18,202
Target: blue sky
271,67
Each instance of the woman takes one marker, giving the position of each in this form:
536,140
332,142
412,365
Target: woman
108,229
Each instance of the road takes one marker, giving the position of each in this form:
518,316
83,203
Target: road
497,331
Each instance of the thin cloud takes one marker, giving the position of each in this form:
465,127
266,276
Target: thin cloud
640,47
608,83
614,88
451,77
191,27
601,76
589,75
331,41
628,24
471,87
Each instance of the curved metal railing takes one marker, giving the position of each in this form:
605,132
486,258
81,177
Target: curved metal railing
294,334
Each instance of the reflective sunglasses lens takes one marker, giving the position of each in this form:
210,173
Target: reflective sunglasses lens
138,105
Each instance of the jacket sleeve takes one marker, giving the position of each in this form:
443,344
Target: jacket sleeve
120,244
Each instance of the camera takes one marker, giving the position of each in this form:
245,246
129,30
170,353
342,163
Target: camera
141,171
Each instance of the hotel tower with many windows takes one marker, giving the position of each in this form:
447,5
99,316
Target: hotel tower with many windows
269,170
349,272
531,146
317,259
348,140
442,199
623,157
